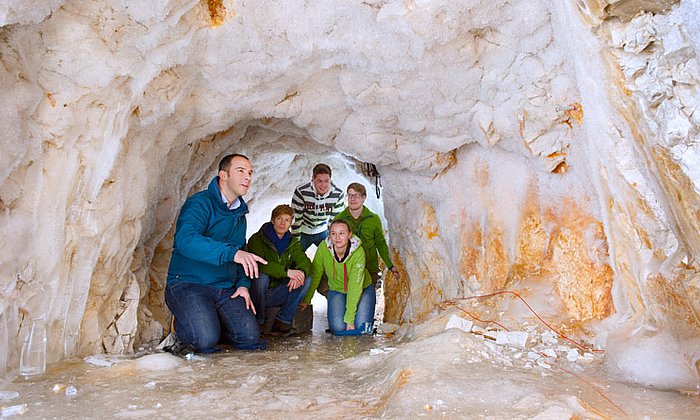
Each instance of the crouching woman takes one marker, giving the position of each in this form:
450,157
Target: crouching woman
351,295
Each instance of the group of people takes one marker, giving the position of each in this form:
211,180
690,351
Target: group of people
218,286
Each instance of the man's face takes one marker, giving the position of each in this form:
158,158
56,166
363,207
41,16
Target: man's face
236,180
322,183
281,224
355,199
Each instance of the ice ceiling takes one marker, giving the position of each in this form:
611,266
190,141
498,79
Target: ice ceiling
547,147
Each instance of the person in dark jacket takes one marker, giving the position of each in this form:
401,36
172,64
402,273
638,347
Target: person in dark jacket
209,273
285,279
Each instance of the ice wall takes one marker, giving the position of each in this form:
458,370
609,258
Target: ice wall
548,147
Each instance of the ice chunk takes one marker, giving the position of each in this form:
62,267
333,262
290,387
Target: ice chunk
98,360
375,352
512,338
13,410
459,323
549,337
158,361
71,391
549,353
572,355
8,395
658,360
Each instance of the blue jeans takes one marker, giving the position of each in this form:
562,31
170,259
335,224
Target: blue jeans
263,296
205,316
306,240
364,318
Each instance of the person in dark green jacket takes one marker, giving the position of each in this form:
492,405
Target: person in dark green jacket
368,227
285,279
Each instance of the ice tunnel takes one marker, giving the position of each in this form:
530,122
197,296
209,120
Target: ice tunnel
549,148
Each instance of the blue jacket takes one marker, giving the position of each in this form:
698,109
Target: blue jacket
207,237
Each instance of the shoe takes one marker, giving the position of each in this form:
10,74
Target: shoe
180,349
281,327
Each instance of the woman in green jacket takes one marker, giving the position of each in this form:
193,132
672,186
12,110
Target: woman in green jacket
351,295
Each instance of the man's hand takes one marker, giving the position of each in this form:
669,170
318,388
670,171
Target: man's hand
350,326
249,262
243,292
297,275
303,305
395,271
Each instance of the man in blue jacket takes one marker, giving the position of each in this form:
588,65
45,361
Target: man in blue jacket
209,274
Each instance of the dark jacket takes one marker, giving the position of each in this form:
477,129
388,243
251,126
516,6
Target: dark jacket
277,265
207,237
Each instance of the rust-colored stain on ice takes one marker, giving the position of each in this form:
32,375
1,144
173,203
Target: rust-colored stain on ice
573,113
217,12
397,291
483,255
430,224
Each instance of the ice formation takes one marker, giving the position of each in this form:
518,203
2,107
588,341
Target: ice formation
547,147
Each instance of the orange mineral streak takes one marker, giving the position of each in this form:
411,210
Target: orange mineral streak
217,12
51,99
531,259
430,226
573,113
425,299
583,277
483,255
567,247
672,301
397,292
445,161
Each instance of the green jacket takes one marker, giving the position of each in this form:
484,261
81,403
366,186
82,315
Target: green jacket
349,277
369,229
277,265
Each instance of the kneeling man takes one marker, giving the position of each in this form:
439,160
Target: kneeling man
286,278
209,273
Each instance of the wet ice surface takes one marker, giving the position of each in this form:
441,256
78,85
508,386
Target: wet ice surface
435,373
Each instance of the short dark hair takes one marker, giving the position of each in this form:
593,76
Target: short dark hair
322,168
342,222
225,163
280,210
358,187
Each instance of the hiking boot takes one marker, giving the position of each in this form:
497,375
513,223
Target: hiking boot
180,349
281,327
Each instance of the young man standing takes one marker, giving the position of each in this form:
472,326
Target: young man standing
286,278
368,227
315,204
209,273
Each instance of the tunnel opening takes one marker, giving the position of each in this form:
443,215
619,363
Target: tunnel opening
282,156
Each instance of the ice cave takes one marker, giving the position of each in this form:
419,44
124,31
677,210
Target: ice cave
536,165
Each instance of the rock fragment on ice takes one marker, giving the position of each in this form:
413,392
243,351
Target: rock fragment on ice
572,355
98,360
158,361
387,328
512,338
459,323
8,395
549,353
548,337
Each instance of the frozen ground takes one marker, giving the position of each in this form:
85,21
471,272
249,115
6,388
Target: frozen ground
437,372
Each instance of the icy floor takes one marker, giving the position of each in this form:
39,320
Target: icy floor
435,373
